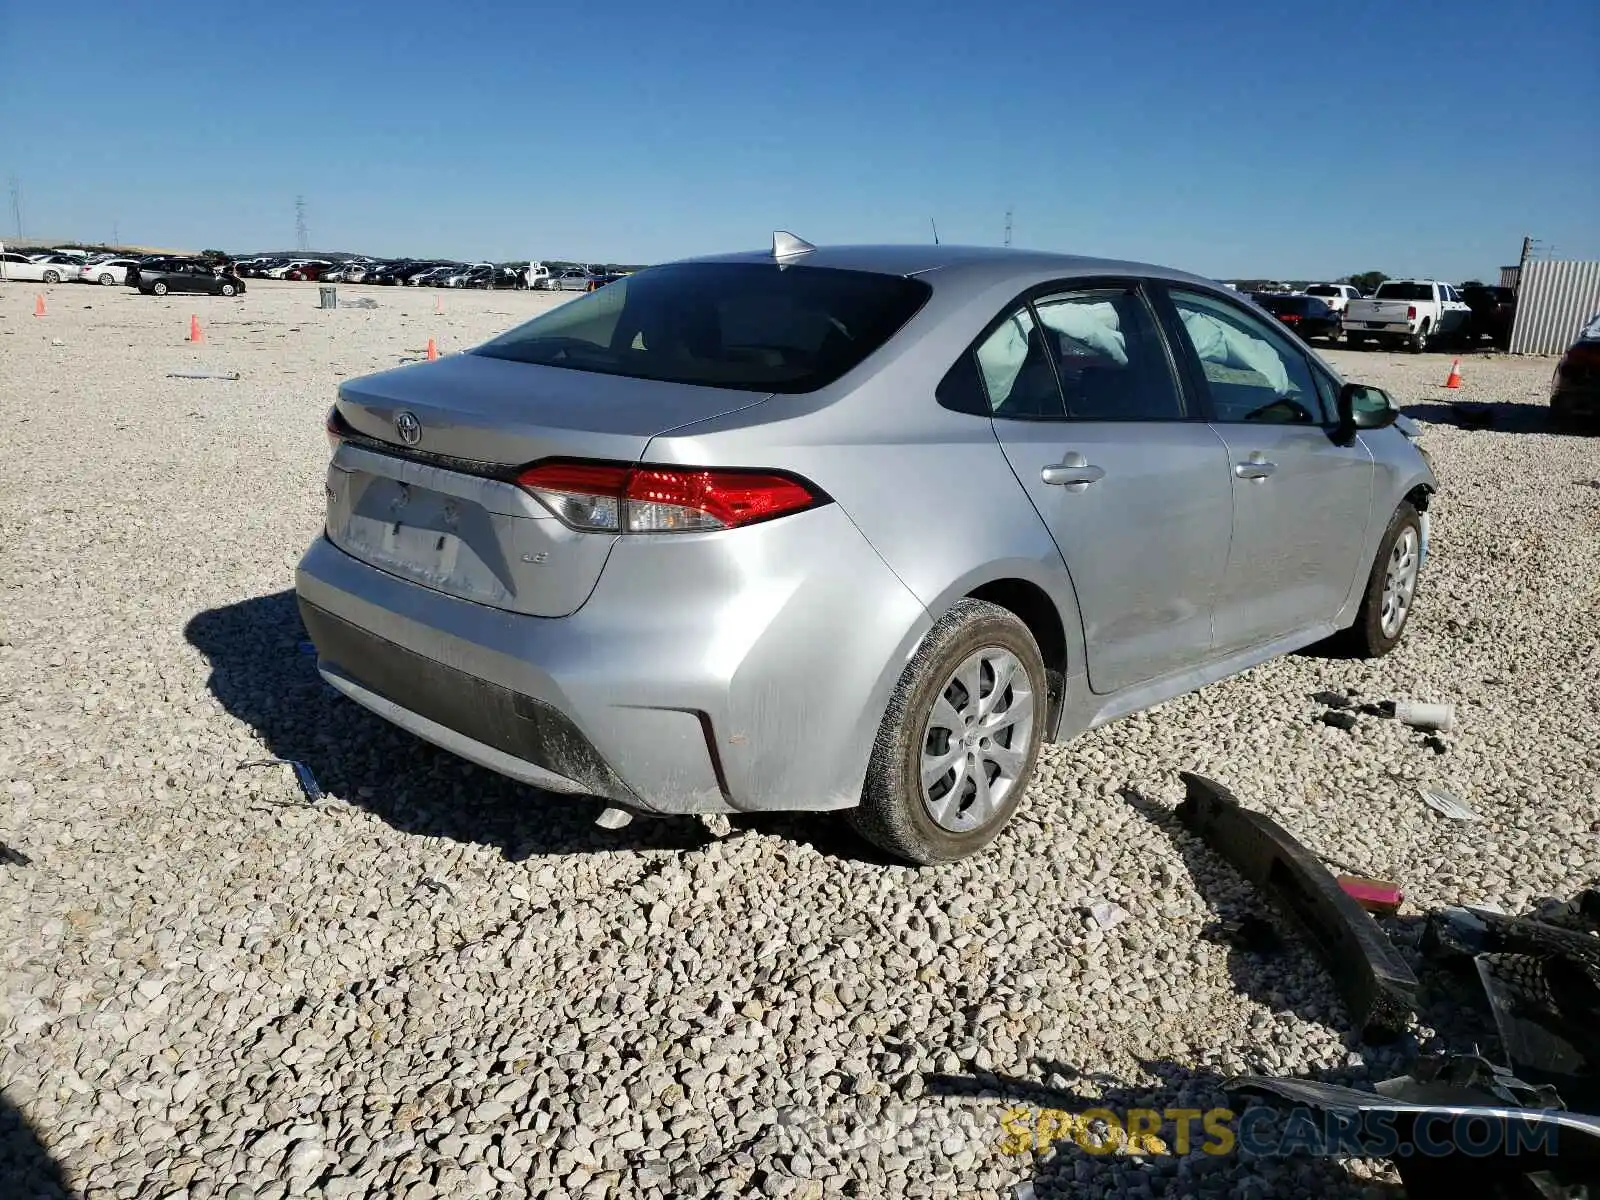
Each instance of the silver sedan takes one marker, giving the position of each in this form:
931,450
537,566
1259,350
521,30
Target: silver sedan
850,529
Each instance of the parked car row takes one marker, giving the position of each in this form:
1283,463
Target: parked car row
409,272
1413,314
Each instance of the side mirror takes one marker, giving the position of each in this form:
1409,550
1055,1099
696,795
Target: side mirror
1364,407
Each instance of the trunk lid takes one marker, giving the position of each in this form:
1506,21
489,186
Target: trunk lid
441,509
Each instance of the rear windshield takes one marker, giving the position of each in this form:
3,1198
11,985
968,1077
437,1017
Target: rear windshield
1278,305
1322,289
755,327
1404,291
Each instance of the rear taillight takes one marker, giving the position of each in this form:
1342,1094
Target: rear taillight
1411,312
601,498
334,425
1289,318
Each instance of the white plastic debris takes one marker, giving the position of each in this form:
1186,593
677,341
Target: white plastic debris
1447,805
229,375
1105,914
1426,716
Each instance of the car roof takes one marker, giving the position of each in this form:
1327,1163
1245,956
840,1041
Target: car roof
975,264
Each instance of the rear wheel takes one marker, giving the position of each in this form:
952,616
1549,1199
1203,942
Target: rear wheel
958,743
228,289
158,288
1419,339
52,276
107,280
1391,587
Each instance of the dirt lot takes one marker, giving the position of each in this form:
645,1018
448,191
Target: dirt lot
435,983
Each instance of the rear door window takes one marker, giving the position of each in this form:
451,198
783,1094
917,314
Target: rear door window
747,326
1109,358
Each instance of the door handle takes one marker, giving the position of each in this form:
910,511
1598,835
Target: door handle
1075,473
1255,467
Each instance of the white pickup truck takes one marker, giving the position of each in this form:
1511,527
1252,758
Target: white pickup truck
1407,312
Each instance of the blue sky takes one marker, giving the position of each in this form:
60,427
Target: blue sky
1288,140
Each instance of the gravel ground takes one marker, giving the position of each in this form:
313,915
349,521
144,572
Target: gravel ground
435,983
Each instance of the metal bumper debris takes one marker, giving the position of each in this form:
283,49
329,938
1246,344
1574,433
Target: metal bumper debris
302,774
1454,1127
1378,987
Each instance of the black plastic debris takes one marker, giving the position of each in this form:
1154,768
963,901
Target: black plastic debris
1339,720
1455,1127
1540,975
12,857
1332,699
1377,985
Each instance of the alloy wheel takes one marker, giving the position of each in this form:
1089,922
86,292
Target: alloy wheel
975,742
1399,582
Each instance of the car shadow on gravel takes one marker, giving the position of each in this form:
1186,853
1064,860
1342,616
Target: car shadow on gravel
263,673
26,1167
1072,1170
1496,417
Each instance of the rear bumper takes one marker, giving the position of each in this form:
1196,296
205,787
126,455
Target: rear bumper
742,671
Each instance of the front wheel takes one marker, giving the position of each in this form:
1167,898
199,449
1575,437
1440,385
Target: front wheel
1391,587
159,289
957,746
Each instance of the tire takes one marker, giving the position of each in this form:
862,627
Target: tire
1371,635
158,289
896,813
107,280
1418,341
1335,336
228,289
52,277
1355,341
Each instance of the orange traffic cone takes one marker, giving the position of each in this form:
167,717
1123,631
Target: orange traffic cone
196,334
1453,380
38,305
433,351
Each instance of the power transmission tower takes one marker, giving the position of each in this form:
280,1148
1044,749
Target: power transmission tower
302,234
1009,211
16,204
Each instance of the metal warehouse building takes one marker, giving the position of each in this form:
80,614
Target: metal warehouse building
1554,300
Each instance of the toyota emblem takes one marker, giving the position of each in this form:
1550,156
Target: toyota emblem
408,427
